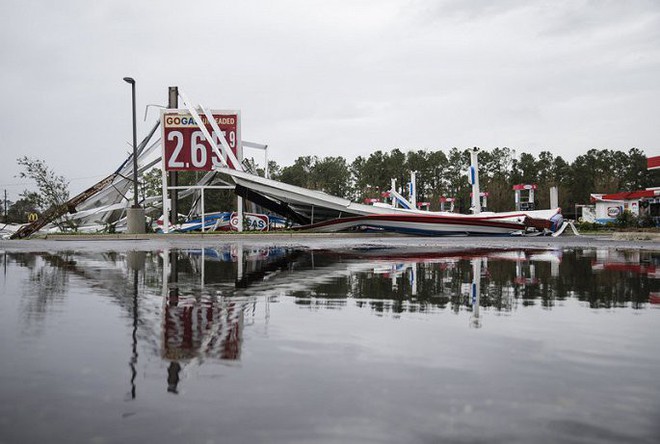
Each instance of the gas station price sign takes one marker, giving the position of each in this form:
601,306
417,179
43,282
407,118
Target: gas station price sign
185,147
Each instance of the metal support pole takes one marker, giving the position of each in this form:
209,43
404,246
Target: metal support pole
554,197
135,214
203,214
135,163
476,198
413,190
173,103
266,173
239,208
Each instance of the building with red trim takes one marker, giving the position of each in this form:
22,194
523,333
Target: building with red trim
606,207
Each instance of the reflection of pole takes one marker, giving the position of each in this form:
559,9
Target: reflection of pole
413,278
173,377
203,265
172,280
171,291
475,321
134,357
267,312
239,262
166,267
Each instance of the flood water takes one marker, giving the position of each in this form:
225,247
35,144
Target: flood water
370,344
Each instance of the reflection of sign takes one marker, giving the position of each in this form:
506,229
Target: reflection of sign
186,148
32,217
613,211
251,222
202,328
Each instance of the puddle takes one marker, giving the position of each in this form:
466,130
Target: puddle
376,344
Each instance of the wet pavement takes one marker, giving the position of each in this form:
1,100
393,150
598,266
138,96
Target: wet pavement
329,339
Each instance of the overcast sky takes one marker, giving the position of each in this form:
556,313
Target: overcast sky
329,78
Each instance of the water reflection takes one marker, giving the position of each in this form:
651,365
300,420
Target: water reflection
208,289
193,304
293,344
406,281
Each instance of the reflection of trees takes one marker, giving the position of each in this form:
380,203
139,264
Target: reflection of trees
199,323
47,283
208,299
50,276
383,280
386,283
611,281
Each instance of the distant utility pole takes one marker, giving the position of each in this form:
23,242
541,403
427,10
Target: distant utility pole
5,206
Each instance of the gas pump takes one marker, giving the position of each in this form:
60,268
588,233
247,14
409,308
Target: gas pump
524,203
483,200
447,200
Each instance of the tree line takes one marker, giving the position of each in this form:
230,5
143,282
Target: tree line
438,174
444,174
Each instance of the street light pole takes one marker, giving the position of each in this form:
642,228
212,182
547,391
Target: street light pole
135,218
135,165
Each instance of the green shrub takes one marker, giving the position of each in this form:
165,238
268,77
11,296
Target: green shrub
591,226
626,219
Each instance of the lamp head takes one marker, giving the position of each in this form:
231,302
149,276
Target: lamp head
129,80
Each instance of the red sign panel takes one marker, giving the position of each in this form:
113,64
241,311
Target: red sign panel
186,147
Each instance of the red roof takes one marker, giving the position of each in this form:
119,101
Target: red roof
653,163
631,195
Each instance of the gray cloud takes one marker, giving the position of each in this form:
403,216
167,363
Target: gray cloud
331,78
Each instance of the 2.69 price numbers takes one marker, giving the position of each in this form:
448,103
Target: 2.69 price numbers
197,153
